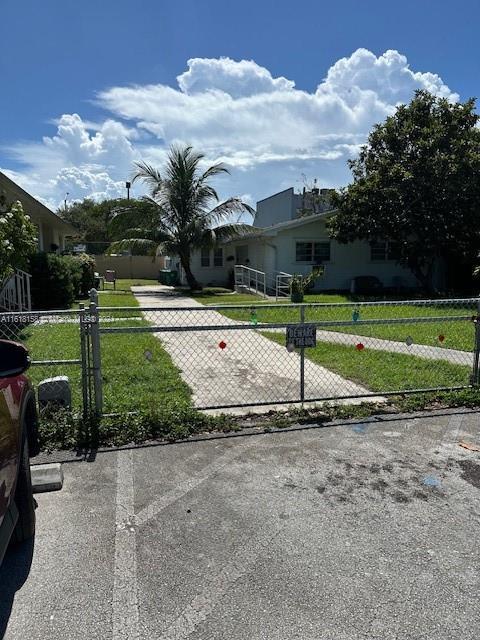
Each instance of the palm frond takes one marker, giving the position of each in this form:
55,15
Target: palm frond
225,209
138,233
212,171
149,174
136,246
227,232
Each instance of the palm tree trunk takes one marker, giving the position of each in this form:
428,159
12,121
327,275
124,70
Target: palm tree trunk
192,281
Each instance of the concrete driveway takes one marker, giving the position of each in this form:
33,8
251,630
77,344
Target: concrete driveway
251,368
355,530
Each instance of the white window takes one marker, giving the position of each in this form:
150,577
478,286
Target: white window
218,257
205,257
383,250
313,252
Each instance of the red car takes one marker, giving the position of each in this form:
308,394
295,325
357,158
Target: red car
18,441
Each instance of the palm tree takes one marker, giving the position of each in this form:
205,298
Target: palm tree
186,219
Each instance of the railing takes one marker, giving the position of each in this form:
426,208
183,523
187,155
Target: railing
282,285
252,280
15,292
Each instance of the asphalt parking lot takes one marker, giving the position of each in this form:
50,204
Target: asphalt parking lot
356,530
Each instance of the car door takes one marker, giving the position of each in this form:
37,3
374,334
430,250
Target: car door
11,391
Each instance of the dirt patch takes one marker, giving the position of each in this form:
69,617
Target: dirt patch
470,472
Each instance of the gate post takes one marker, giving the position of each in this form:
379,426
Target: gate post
302,359
96,358
84,358
476,349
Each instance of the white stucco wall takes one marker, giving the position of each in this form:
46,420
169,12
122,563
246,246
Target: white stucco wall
208,276
346,260
277,253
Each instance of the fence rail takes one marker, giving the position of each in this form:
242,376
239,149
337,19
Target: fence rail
15,292
228,356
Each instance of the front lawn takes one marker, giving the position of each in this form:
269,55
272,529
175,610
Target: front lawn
111,299
381,370
137,371
444,333
124,284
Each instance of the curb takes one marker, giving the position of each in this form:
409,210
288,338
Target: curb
47,477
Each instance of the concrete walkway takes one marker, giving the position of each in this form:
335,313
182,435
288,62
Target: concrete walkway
251,368
455,356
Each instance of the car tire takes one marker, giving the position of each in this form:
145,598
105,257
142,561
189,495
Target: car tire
25,527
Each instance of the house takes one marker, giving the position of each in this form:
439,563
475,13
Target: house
52,230
290,236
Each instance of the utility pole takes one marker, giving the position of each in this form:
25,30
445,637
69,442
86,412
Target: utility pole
128,185
65,201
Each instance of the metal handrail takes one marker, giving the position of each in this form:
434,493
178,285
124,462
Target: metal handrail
282,284
15,294
253,277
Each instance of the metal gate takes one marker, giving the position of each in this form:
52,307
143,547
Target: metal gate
239,356
231,356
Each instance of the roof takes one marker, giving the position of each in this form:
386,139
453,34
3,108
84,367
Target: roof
258,232
35,209
296,222
276,194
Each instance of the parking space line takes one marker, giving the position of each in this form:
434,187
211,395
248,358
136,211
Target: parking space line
188,484
125,599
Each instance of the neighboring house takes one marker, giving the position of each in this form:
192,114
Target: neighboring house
51,233
286,239
52,230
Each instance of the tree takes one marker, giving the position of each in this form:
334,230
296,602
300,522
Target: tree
17,237
185,220
99,223
417,183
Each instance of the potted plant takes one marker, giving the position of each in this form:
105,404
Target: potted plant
299,283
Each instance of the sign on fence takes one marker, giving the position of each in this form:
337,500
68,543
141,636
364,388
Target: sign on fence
304,335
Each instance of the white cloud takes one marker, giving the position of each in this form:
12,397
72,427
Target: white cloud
238,79
266,130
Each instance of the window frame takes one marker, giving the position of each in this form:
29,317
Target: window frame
388,249
312,259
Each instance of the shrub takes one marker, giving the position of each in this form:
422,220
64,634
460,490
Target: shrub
87,273
17,237
55,280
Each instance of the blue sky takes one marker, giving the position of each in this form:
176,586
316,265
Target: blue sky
90,87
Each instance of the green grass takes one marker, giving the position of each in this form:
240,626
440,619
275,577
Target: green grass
208,298
130,379
111,299
381,370
457,334
124,284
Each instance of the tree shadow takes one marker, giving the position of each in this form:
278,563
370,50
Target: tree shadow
14,571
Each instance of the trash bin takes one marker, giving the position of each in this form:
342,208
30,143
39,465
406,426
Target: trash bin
172,278
162,276
168,277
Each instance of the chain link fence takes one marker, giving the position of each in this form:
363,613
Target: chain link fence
54,341
239,355
217,357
